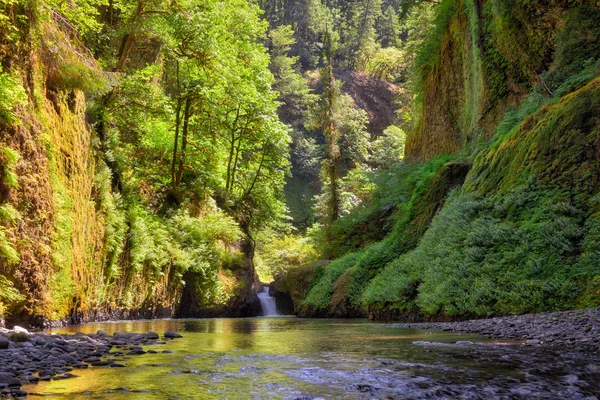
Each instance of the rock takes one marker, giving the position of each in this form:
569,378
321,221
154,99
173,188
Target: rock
283,300
9,380
18,393
100,363
101,333
172,335
3,343
18,329
67,358
152,335
532,342
138,338
18,337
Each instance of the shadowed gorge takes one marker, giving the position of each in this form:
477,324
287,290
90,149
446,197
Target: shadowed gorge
417,161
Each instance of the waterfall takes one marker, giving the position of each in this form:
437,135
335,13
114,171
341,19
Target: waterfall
268,303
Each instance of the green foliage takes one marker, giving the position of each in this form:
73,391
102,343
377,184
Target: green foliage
69,64
278,253
490,256
9,159
578,47
387,63
8,294
428,55
12,95
319,296
84,14
9,216
388,149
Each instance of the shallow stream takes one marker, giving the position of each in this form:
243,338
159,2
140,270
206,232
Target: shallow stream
292,358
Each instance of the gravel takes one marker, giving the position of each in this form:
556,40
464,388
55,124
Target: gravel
578,329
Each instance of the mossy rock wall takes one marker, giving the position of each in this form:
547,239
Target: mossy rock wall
483,57
559,146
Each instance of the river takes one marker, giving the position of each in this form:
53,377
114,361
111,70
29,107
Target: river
293,358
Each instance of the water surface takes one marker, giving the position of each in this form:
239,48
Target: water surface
288,358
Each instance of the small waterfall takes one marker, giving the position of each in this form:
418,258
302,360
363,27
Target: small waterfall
268,303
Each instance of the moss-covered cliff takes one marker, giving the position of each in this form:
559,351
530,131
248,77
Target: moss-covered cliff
496,213
84,232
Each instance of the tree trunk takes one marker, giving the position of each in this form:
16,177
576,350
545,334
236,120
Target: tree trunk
184,136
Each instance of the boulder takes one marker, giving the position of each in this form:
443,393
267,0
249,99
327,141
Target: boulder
280,292
152,335
7,379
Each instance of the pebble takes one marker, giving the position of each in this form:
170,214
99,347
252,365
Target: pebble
578,329
46,357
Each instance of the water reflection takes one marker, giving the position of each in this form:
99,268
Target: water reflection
285,358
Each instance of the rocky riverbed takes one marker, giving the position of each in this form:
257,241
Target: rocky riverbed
577,330
31,357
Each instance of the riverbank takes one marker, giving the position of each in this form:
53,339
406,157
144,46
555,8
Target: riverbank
31,357
579,329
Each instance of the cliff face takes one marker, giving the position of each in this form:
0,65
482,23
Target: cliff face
483,58
76,244
509,100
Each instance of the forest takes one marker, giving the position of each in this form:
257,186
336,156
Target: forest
390,159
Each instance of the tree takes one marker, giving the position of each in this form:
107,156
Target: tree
325,118
388,28
360,40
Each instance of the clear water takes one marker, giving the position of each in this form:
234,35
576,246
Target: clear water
286,358
268,303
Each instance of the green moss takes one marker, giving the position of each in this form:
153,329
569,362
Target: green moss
18,337
532,149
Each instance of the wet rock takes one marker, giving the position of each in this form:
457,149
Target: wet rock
152,335
100,363
18,329
9,380
4,343
172,335
18,393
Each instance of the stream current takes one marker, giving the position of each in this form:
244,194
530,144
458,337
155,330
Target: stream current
293,358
